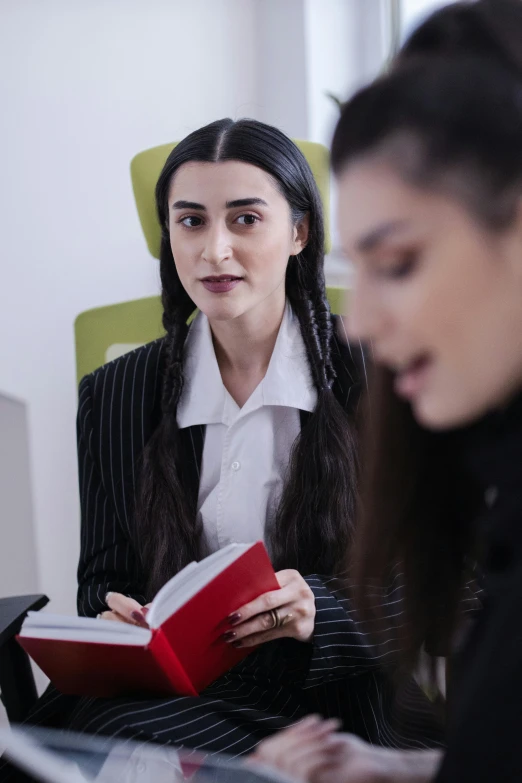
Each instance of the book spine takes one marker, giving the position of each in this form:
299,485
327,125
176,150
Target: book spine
170,664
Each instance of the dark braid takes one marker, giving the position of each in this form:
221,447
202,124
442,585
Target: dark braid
313,526
169,534
314,520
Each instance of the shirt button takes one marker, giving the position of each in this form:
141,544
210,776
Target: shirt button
490,496
236,465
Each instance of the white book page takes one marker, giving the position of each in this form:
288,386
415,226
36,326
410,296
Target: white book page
189,581
174,594
41,625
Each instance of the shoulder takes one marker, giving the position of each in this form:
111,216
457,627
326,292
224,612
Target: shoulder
128,381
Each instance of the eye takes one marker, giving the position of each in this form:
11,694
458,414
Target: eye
191,221
247,220
401,268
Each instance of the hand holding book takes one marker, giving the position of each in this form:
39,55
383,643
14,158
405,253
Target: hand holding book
124,609
182,649
289,612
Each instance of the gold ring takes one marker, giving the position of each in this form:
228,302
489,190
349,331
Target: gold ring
276,620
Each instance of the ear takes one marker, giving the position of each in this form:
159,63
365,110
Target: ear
300,235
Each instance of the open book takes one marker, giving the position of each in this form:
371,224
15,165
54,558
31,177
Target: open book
182,651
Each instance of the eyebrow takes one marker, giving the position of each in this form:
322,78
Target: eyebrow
377,235
240,202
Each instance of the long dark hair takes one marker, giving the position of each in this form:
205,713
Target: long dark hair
314,520
449,118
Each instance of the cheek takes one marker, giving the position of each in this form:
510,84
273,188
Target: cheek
264,255
183,255
477,352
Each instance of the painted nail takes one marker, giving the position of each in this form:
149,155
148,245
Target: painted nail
145,611
139,618
233,619
229,636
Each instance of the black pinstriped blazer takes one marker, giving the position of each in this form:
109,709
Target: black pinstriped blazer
119,407
339,675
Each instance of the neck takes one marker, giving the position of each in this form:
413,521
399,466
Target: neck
245,344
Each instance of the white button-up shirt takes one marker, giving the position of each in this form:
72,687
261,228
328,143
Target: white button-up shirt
246,450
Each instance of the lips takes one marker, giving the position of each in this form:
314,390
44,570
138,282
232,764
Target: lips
221,284
410,381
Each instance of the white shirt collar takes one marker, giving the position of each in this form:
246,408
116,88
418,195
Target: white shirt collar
204,399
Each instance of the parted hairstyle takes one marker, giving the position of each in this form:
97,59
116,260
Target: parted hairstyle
449,117
313,524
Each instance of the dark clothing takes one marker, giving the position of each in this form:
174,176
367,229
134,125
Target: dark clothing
485,719
119,407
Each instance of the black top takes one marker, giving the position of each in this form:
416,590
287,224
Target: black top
485,726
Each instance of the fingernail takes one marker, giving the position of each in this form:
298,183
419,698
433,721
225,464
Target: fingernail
237,644
310,719
138,617
145,611
107,596
333,723
229,636
233,619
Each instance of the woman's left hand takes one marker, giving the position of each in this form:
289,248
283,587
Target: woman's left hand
289,611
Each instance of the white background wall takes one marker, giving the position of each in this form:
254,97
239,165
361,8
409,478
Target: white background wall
413,11
84,85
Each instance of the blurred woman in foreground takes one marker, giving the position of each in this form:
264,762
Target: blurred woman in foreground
429,162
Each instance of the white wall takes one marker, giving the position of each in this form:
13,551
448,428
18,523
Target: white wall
18,563
282,65
85,85
414,11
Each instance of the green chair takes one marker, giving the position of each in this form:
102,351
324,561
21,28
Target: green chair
104,333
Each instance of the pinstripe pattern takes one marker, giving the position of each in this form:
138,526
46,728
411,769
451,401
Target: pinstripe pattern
339,675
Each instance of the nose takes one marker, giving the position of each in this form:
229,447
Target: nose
217,247
367,319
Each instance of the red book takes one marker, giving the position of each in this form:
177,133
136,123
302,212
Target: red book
182,653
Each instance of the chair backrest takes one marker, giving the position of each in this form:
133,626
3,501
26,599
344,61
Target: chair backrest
146,167
104,333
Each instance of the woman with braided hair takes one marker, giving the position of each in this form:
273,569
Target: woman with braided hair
237,427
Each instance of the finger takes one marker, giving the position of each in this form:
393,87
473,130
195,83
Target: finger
120,619
255,639
112,616
321,752
261,605
127,607
315,729
311,727
271,600
287,576
299,753
261,624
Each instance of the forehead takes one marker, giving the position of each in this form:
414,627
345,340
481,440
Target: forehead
228,179
372,193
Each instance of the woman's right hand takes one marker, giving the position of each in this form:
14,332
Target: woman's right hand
311,752
125,610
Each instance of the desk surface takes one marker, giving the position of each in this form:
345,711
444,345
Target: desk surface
63,757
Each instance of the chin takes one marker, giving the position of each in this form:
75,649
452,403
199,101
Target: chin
221,310
440,415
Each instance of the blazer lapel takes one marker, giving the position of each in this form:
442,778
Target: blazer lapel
191,452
